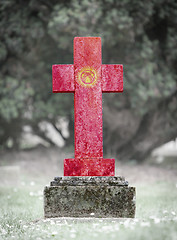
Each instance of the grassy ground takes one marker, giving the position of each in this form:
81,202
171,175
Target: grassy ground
21,206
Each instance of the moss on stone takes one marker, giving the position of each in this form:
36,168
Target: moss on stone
103,200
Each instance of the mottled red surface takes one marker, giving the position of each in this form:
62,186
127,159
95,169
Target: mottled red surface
89,167
63,78
88,78
88,100
112,78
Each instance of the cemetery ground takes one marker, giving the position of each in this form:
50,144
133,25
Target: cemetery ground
24,174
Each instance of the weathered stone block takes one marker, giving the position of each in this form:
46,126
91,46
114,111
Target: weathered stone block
89,197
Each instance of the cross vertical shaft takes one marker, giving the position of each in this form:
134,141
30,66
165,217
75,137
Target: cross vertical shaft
88,98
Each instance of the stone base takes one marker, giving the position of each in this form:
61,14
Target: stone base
89,197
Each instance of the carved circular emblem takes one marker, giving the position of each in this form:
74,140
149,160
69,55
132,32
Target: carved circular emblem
87,77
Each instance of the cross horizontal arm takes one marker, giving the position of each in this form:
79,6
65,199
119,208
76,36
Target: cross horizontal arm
63,78
112,78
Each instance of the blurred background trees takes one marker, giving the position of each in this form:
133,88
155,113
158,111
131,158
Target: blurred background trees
141,35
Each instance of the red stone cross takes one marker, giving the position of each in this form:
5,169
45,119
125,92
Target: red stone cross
87,78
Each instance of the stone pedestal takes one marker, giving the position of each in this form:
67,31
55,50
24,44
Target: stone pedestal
89,197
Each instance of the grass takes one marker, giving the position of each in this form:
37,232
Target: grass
21,216
21,202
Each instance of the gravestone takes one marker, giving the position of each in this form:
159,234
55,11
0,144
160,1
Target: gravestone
89,187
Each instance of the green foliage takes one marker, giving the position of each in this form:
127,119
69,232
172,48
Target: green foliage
36,34
15,95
